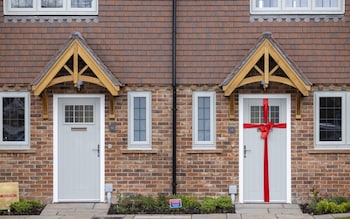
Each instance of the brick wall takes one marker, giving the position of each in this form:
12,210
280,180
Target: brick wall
328,172
199,173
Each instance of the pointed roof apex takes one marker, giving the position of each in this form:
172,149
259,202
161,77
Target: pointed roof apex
268,50
84,60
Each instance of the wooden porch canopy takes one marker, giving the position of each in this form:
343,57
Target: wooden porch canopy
76,63
264,64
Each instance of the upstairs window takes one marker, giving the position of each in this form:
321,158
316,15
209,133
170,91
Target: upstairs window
297,6
50,7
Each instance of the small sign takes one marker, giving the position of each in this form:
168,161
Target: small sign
8,194
175,203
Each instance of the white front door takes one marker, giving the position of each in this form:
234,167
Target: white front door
79,149
265,148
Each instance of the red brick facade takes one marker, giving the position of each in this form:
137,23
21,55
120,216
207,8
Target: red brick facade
133,39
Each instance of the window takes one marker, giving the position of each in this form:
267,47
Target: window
139,120
79,114
50,7
332,125
14,120
297,6
203,124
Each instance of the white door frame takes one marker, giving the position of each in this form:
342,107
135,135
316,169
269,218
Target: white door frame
288,129
55,141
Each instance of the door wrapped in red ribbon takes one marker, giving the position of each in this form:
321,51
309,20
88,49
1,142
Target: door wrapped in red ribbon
265,130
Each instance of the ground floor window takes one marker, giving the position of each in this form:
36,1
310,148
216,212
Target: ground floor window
332,125
14,120
139,120
204,119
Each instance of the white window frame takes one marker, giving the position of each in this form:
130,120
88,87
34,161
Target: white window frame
37,10
196,144
311,9
13,145
139,145
345,116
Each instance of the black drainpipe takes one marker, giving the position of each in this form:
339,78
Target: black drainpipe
174,96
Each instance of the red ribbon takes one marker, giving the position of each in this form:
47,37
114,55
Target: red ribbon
265,130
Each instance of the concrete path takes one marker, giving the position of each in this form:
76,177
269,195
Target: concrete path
243,211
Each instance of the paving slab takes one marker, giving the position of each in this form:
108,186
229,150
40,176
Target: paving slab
258,216
291,206
285,211
325,216
162,217
209,216
83,210
341,215
113,217
101,206
13,217
295,216
43,217
233,216
262,205
252,211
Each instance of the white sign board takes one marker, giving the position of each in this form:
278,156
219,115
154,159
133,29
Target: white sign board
175,203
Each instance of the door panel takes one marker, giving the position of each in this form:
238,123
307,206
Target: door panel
253,157
78,155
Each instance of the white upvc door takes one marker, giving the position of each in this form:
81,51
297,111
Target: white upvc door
78,149
262,181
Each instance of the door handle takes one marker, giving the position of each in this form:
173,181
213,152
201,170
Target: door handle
245,151
98,150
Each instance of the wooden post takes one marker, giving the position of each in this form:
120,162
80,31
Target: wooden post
232,106
111,107
298,107
45,103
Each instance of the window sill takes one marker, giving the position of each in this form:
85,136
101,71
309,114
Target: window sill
17,151
329,151
295,18
204,151
136,151
49,19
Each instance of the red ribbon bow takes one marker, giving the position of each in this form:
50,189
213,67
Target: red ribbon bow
265,130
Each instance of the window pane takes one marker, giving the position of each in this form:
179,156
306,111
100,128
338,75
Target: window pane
140,119
275,114
203,119
81,4
266,3
21,3
327,3
255,116
13,119
330,119
68,114
297,3
51,3
89,113
78,113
